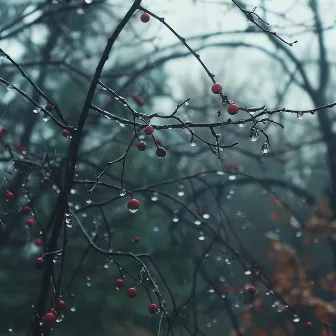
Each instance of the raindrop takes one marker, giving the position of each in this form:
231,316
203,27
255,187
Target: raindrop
122,125
88,283
46,117
254,134
206,216
247,272
265,148
299,115
296,318
175,219
37,110
60,318
241,123
73,308
89,201
122,192
154,197
9,87
232,177
133,210
219,172
156,229
197,222
193,141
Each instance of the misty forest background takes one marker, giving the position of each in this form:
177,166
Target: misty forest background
253,199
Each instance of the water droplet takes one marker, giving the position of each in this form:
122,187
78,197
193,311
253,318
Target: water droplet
89,282
206,216
156,229
232,177
241,123
122,125
219,172
60,318
247,272
254,134
123,192
154,197
36,110
180,193
133,210
9,87
73,308
46,117
175,219
265,148
89,201
296,318
197,222
299,115
193,141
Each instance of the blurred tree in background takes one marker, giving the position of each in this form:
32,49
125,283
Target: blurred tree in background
234,185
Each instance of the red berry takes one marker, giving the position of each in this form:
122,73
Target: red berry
153,308
232,109
3,130
145,17
54,312
26,210
61,305
120,283
136,239
149,130
9,196
30,222
138,100
142,146
49,318
161,152
65,133
216,88
38,241
133,204
251,289
49,107
131,292
309,324
39,263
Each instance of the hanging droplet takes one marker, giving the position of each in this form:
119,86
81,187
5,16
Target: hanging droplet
193,141
265,148
299,115
89,200
180,193
247,272
197,222
241,123
296,318
254,134
154,197
88,282
9,87
123,192
46,117
73,308
206,216
36,110
175,219
156,229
